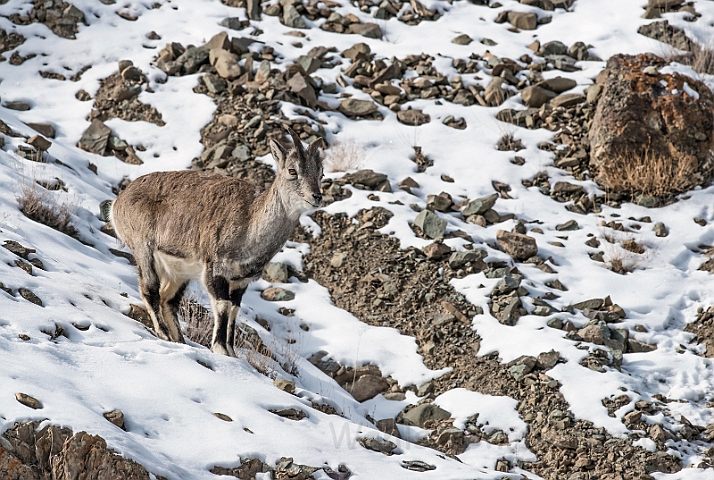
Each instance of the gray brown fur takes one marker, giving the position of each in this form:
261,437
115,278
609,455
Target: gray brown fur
222,231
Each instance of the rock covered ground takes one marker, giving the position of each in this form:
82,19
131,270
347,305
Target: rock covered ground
477,299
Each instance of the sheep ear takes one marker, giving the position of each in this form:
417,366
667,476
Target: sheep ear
279,153
313,150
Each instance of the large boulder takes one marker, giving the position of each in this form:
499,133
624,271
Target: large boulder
661,123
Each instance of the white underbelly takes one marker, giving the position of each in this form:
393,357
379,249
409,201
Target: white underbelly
179,269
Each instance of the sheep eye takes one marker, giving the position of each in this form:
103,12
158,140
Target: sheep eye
292,172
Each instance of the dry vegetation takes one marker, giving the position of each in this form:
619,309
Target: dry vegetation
42,206
623,255
508,142
267,359
650,174
344,156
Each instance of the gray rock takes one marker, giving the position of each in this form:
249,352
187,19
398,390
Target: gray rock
388,426
636,346
369,30
558,84
440,203
300,86
460,259
291,18
308,63
417,465
277,294
338,259
276,272
192,59
289,413
17,105
45,129
222,416
366,387
430,224
660,229
664,32
517,245
567,226
383,446
579,51
522,366
595,333
242,153
358,50
507,284
413,117
232,23
421,414
522,20
535,96
352,107
28,401
95,138
480,205
462,39
553,48
592,304
214,83
511,311
556,323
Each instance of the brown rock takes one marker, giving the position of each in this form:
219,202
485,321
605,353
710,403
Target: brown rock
535,96
116,417
357,108
95,138
40,143
517,245
45,129
436,251
567,100
28,401
494,94
637,117
524,21
369,30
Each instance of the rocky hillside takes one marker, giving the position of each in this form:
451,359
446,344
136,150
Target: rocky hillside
511,277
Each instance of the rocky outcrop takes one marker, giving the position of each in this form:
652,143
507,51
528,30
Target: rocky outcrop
645,113
52,452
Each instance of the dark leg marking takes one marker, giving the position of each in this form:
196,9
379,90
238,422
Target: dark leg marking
221,292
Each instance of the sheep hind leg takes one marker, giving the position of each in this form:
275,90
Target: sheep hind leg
171,294
150,291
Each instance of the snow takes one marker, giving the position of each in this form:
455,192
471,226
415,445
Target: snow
168,398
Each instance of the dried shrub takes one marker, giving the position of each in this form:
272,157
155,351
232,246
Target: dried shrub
508,142
702,58
651,174
41,206
267,359
623,255
344,156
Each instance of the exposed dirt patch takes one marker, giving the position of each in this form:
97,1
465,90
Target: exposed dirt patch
117,98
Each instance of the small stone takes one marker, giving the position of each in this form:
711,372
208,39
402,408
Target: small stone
420,414
40,143
285,385
225,63
548,360
462,39
395,396
276,272
558,84
517,245
522,20
432,226
412,117
17,105
277,294
636,346
388,426
45,129
535,96
289,413
338,259
553,48
241,153
132,74
567,100
383,446
592,304
567,226
95,138
369,30
417,465
28,401
440,203
116,417
29,296
367,387
480,205
222,416
215,84
436,251
700,221
351,107
232,23
660,230
459,260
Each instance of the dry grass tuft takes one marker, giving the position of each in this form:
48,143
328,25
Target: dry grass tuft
41,206
623,255
702,58
508,142
344,156
267,359
650,174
